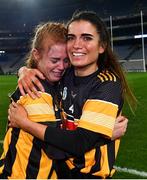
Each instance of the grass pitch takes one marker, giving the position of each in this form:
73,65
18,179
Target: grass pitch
7,85
133,149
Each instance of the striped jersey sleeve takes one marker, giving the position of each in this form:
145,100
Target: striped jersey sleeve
39,109
24,156
102,106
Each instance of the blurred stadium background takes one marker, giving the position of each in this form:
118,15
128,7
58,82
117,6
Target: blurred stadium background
127,23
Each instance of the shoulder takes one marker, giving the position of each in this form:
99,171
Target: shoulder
107,76
107,87
108,81
48,87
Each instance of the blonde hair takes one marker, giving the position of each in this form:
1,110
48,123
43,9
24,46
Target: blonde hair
52,32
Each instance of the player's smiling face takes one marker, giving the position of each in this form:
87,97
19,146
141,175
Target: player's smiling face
83,46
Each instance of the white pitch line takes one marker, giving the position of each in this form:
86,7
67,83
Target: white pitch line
131,171
1,141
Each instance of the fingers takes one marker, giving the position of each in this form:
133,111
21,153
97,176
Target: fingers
15,114
10,125
123,126
120,118
9,114
120,127
28,82
126,120
36,82
12,105
34,74
39,74
21,89
122,122
26,86
31,89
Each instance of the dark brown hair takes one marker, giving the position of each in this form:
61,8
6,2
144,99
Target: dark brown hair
107,60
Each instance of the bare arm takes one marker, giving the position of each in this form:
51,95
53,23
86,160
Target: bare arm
28,78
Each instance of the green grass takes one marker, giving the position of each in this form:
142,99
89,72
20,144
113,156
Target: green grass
7,85
133,149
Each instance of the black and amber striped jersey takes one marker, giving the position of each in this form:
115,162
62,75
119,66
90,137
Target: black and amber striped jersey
24,156
91,106
92,103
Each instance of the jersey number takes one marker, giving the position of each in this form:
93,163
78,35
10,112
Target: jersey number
71,108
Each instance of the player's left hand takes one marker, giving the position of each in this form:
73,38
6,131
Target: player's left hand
120,127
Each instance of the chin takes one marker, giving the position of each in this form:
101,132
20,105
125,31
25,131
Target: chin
57,79
78,65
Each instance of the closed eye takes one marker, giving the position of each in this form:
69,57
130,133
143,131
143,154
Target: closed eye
54,60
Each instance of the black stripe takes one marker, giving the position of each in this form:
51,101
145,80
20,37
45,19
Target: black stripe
51,171
11,154
76,174
96,166
1,162
3,176
79,162
61,169
34,160
111,154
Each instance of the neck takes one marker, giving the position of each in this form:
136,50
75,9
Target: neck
85,71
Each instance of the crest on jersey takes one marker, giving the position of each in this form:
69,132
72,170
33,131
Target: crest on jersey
64,95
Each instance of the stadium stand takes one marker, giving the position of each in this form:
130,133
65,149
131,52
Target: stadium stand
18,19
10,63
